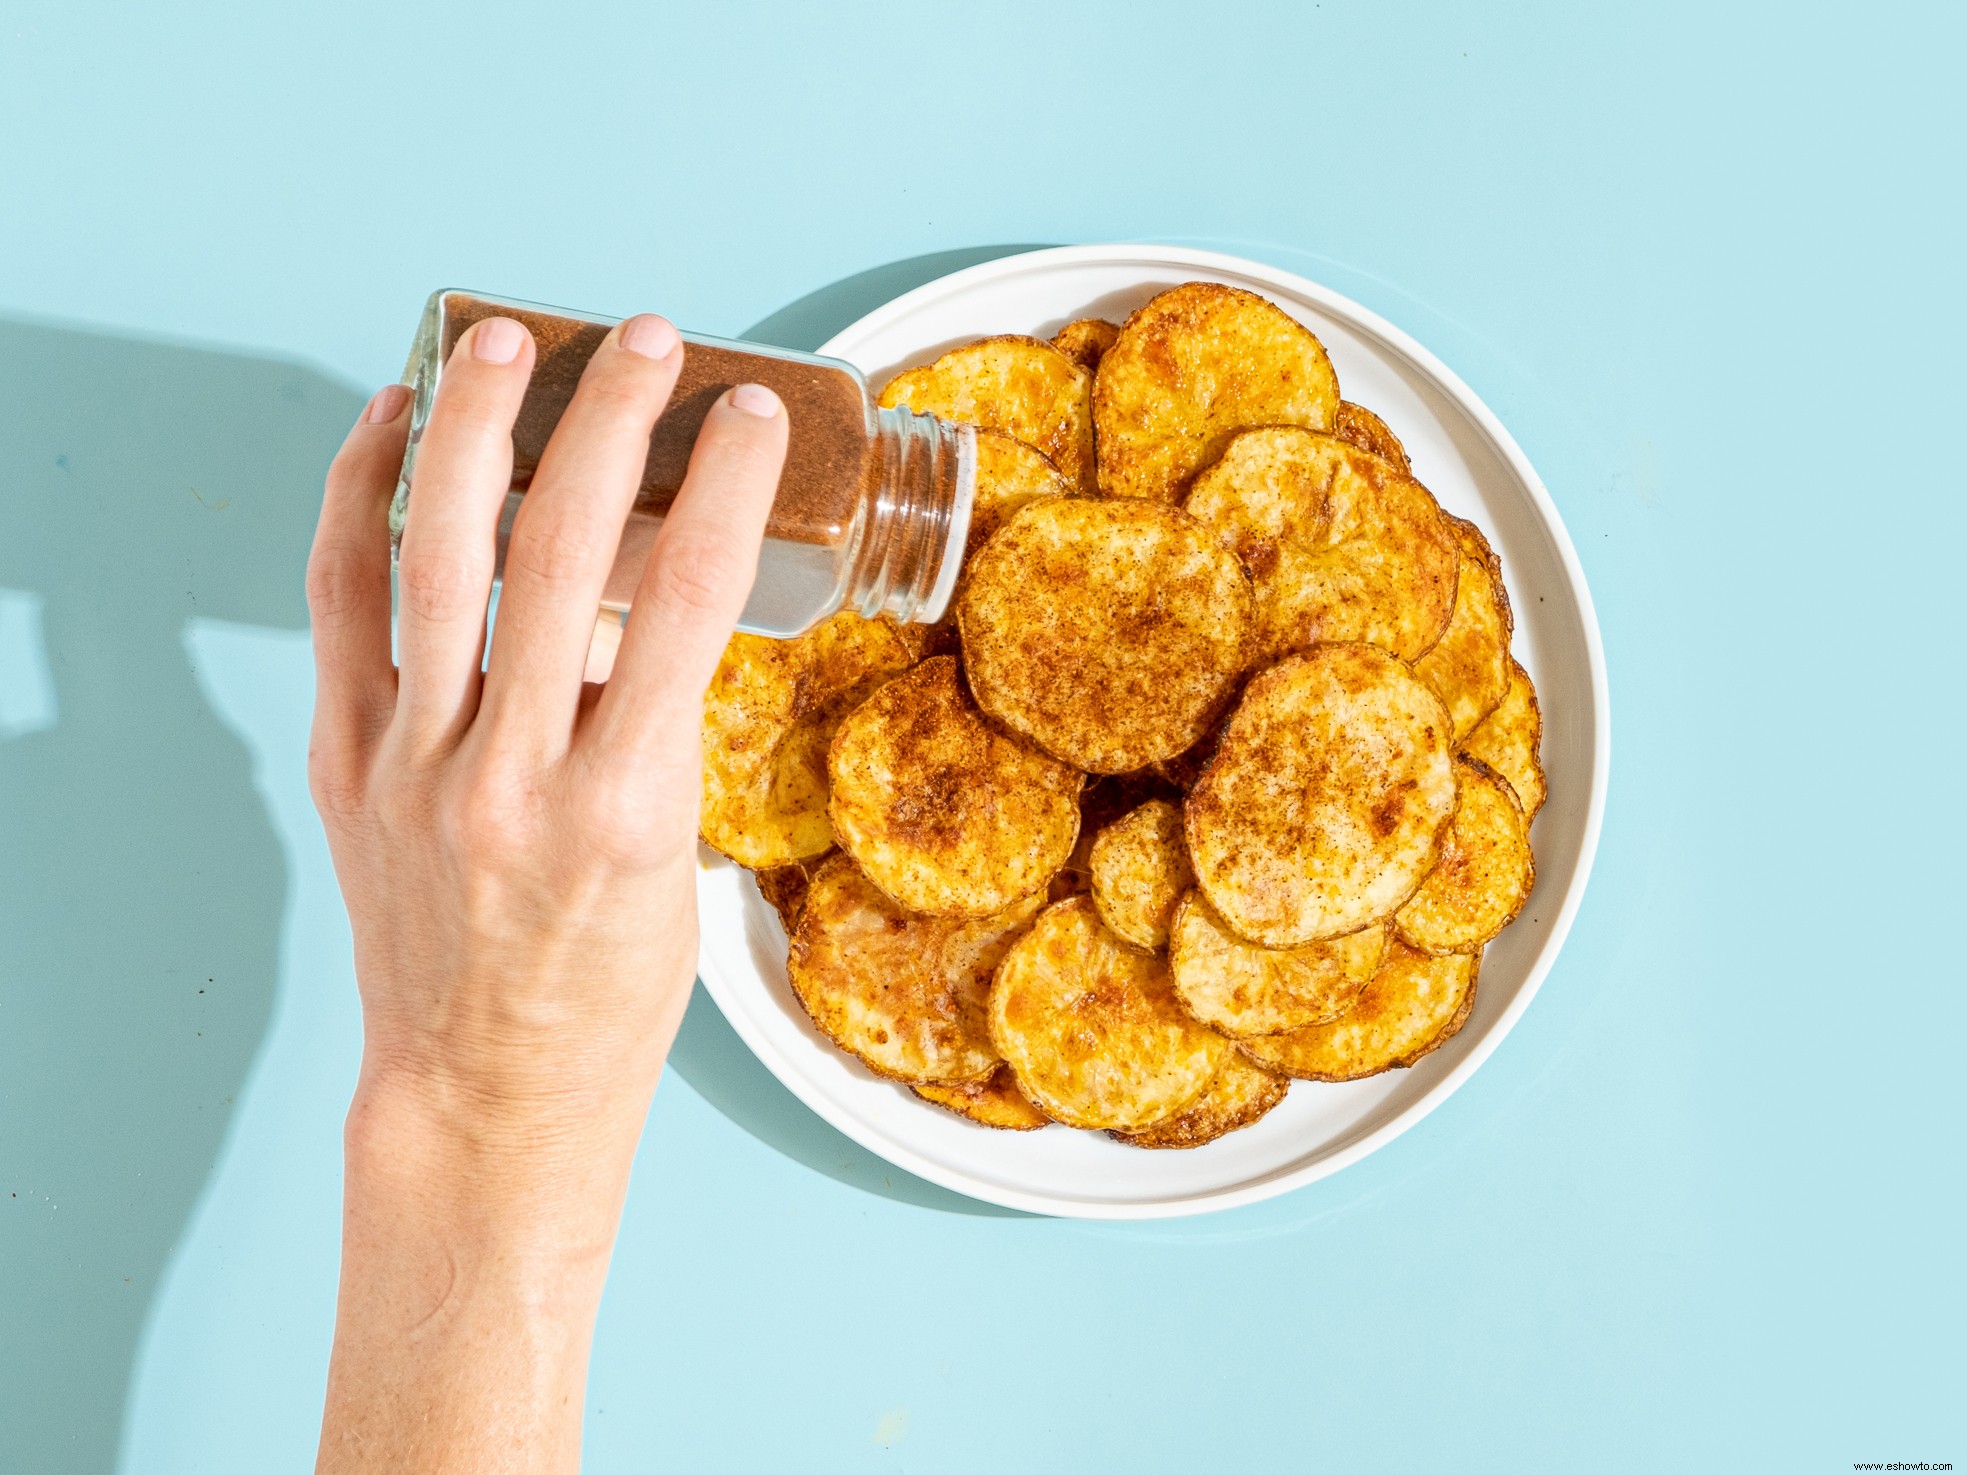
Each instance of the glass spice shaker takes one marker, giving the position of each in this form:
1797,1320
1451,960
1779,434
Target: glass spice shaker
873,506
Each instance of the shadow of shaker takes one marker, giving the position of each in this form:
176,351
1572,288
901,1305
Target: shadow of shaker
708,1053
142,884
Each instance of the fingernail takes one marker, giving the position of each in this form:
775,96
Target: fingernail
497,341
755,399
387,404
651,336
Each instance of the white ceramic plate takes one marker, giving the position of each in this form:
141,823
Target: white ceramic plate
1465,456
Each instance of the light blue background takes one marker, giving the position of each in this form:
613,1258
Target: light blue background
1701,1210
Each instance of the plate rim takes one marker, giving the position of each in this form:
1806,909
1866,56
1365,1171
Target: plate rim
1258,275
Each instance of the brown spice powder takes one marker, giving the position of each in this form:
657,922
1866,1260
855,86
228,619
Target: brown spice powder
829,457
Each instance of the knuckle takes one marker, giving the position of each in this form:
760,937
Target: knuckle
699,575
619,395
439,586
337,582
489,811
556,553
339,789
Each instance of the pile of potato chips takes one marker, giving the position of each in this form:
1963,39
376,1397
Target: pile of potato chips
1219,775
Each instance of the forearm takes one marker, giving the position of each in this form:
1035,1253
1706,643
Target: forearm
471,1271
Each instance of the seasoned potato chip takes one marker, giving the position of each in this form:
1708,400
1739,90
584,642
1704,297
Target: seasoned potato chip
1508,740
1190,369
1359,426
1105,799
906,994
1092,1029
1241,1092
1324,805
1469,666
784,888
1484,874
993,1102
1242,989
768,717
1139,872
1339,545
1021,386
1109,632
947,815
1009,474
1413,1005
1086,340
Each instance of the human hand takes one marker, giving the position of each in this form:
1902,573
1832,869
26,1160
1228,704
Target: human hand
517,847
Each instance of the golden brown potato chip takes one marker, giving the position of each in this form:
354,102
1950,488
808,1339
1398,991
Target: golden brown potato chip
1509,738
906,994
947,815
1086,340
1413,1005
1469,666
1242,989
784,888
1009,474
1484,874
1021,386
1190,369
1109,632
1241,1093
1105,799
1339,545
1324,805
1139,872
768,717
1092,1029
995,1102
1359,426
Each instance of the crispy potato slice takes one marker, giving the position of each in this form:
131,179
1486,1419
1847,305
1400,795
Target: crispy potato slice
1241,1092
947,815
1359,426
993,1102
1009,474
1339,544
1110,633
1092,1028
1508,740
1469,666
906,994
1324,805
1022,386
1242,989
768,716
1139,870
1086,340
1105,799
1190,369
784,888
1414,1005
1485,872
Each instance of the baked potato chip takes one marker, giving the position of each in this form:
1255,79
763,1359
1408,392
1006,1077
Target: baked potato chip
1085,341
1485,872
947,815
1241,1092
1105,799
1339,544
1324,805
1469,666
1413,1005
784,888
993,1102
768,716
1109,632
906,994
1139,870
1242,989
1509,738
1356,425
1092,1029
1190,369
1009,474
1021,386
